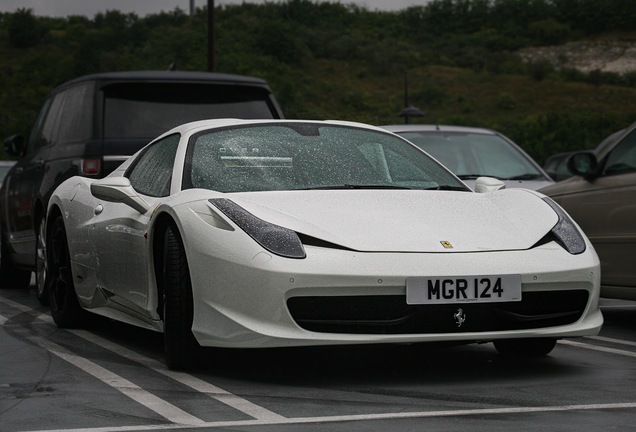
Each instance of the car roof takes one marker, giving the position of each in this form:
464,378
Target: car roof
436,128
195,126
167,76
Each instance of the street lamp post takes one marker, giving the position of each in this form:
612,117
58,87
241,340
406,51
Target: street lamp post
211,59
409,110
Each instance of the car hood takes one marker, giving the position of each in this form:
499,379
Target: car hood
408,221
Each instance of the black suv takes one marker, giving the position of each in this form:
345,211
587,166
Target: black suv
89,126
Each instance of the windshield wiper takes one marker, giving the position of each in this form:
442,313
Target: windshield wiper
448,188
356,186
527,176
471,176
524,177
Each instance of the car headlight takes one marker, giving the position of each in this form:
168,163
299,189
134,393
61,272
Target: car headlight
565,232
276,239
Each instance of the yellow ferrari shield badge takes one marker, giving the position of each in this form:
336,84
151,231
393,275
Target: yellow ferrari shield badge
446,244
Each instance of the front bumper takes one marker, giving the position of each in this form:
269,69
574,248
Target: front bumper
245,297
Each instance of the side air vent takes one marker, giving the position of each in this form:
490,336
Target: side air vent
312,241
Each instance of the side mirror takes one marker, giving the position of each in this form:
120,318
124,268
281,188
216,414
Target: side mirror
583,164
119,190
15,145
488,184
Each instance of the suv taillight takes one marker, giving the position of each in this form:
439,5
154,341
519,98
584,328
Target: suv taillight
90,166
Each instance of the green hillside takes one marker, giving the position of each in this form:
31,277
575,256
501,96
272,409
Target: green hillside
326,60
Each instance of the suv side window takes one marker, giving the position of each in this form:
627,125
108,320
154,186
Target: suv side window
68,118
75,124
51,122
37,126
152,172
622,158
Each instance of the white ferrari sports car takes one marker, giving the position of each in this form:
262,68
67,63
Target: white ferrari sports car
271,233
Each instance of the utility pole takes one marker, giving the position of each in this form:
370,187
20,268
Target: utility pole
211,59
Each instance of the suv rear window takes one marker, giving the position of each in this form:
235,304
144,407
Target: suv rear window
145,110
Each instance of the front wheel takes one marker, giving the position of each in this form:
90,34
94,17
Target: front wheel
10,275
531,347
65,308
179,343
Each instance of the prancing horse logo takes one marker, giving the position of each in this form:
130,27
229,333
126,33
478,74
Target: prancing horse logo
460,317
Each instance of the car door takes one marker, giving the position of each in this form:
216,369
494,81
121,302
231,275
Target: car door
24,180
123,252
605,208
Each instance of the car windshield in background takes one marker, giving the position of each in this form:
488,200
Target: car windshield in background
294,156
470,155
150,109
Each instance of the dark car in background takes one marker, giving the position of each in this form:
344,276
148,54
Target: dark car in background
601,198
88,127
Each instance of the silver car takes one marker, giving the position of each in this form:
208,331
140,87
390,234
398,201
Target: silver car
476,152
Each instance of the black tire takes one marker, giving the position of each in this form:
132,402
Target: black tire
531,347
180,346
10,275
65,308
41,265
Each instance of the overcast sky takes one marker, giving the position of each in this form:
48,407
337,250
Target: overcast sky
61,8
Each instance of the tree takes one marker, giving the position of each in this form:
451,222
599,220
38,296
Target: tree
24,29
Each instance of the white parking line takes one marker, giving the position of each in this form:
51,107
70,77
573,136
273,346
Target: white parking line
612,340
47,318
2,320
184,421
598,348
147,399
197,384
363,417
44,317
19,306
623,306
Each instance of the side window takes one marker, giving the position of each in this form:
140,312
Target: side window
622,158
50,127
68,119
75,123
152,172
36,129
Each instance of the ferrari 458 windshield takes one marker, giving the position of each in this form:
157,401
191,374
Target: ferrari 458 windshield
293,156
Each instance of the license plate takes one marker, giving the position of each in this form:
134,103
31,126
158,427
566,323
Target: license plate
463,289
